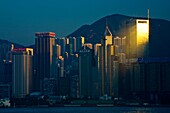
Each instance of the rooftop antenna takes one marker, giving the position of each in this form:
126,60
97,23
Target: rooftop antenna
148,14
148,29
106,23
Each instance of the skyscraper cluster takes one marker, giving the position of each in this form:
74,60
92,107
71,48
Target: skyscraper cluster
72,68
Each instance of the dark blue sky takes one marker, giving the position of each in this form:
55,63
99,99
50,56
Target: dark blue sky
20,19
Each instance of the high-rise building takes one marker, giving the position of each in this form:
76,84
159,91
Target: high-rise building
137,38
120,42
22,72
117,41
44,57
85,72
72,43
5,49
6,72
57,49
146,79
62,42
89,45
122,58
123,44
96,49
109,74
79,42
61,67
115,79
105,63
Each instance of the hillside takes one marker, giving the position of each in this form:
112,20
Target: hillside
159,32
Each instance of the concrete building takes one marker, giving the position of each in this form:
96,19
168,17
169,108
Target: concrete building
44,57
137,38
5,91
146,79
22,72
62,42
115,79
85,72
57,49
89,45
72,43
120,43
61,67
50,86
105,64
6,72
79,42
6,52
96,48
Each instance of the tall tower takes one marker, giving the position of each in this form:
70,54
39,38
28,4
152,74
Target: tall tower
142,38
22,72
85,72
72,42
138,38
79,42
44,56
105,58
62,42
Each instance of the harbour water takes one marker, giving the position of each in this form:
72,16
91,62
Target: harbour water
87,110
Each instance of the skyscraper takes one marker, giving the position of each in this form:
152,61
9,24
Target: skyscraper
137,43
57,50
72,43
142,38
22,72
85,72
79,42
44,57
120,42
62,43
96,49
89,45
117,44
105,63
120,48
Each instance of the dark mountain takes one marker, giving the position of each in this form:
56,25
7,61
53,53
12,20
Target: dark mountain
159,32
8,43
5,47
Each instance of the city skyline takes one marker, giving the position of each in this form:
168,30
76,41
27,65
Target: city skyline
111,71
21,19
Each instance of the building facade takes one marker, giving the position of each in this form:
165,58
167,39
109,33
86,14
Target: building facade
22,72
85,72
44,57
137,43
106,54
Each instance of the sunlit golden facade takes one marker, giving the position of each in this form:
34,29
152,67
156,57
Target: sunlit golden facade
137,44
142,37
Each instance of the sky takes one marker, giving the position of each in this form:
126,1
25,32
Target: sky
20,19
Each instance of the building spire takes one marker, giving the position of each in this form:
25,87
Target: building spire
148,13
106,23
107,31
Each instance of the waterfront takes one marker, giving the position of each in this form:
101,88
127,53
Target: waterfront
87,110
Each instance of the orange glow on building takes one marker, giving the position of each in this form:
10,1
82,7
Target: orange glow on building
142,31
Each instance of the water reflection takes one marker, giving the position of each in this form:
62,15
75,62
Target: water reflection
87,110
